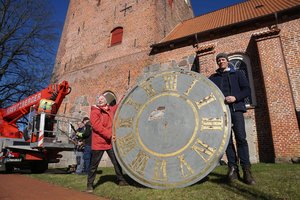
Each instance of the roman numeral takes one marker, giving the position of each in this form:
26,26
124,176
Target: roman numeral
148,89
170,82
139,163
131,102
186,169
187,92
126,143
203,150
206,100
127,123
160,170
212,123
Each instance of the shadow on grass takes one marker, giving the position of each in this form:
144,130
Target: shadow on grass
57,171
203,180
106,178
113,179
238,187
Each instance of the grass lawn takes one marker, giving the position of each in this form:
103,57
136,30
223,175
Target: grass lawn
274,181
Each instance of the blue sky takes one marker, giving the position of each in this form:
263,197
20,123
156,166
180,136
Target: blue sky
200,7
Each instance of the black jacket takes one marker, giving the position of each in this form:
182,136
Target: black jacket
87,134
239,87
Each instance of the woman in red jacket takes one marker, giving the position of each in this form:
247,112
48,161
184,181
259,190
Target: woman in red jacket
101,119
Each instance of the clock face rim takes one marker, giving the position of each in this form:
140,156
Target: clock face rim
209,166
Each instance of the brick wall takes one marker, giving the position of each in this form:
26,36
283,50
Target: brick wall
284,126
290,38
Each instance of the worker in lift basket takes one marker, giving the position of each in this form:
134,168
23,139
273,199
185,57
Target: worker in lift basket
49,107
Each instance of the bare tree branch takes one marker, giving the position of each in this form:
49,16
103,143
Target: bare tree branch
27,36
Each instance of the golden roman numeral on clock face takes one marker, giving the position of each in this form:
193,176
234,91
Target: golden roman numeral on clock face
203,150
148,89
133,103
127,123
160,170
206,100
212,123
187,92
140,162
170,82
126,143
186,169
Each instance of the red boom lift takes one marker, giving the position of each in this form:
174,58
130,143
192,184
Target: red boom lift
16,149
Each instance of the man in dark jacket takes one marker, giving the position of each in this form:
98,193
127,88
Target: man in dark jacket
86,135
235,88
79,146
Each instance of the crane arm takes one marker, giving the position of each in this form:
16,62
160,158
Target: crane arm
10,115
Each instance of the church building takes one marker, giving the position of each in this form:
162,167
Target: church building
110,45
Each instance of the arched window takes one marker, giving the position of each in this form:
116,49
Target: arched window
242,62
116,36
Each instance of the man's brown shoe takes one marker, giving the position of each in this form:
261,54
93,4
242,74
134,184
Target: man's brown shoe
247,176
232,174
123,183
89,189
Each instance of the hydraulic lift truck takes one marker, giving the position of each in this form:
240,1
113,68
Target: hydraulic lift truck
46,135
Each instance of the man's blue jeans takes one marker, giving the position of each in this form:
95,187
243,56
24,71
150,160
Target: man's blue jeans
239,131
87,155
79,162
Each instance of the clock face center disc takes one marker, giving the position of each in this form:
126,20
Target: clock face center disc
163,119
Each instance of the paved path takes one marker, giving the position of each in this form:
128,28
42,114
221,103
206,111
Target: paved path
22,187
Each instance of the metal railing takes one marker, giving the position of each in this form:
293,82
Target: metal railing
52,131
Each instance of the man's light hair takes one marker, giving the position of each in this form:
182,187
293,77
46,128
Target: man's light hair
98,96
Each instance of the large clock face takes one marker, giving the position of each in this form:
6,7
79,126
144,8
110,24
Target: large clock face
171,129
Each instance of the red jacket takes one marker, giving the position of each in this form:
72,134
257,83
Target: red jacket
101,121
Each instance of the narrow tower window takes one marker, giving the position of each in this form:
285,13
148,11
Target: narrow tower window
116,36
242,62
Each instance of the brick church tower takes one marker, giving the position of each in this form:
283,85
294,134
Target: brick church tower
105,45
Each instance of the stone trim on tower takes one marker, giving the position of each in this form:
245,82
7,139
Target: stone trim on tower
204,58
205,49
264,35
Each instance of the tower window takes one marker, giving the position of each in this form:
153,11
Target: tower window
116,36
242,62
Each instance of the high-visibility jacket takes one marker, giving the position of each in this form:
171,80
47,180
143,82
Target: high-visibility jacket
46,106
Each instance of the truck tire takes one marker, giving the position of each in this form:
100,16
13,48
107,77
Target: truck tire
9,168
38,167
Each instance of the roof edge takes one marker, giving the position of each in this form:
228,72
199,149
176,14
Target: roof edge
156,48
